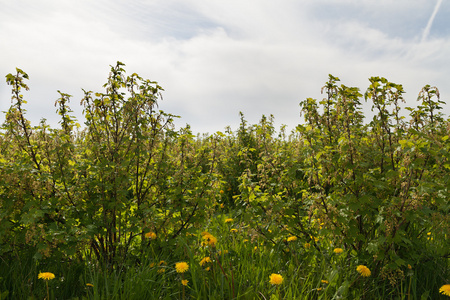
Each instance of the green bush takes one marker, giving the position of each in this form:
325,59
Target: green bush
111,206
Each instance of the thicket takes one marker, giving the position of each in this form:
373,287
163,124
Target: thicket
105,201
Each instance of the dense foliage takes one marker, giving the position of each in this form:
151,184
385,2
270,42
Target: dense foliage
117,202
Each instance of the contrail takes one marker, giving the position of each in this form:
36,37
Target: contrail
426,31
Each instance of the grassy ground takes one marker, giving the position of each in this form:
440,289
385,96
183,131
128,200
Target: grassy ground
226,260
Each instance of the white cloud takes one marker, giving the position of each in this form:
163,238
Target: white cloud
215,59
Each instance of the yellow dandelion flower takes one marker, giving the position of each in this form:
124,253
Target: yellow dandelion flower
245,240
204,261
207,269
291,238
229,220
363,270
445,290
276,279
307,245
150,235
152,265
208,239
409,266
221,191
89,284
46,276
221,205
212,240
184,282
233,230
324,281
319,289
338,250
162,263
181,267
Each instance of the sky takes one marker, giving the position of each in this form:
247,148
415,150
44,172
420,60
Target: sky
217,58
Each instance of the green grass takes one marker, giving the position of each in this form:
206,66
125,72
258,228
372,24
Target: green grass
241,263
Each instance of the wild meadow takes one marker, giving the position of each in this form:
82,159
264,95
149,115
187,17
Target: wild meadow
126,206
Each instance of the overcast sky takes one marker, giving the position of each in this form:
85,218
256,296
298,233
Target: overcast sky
215,58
